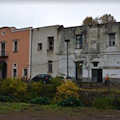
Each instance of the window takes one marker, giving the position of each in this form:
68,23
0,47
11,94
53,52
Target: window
95,64
49,66
50,43
14,70
3,47
3,32
39,46
112,39
79,42
15,45
25,72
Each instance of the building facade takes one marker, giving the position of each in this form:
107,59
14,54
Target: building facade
44,50
94,52
15,52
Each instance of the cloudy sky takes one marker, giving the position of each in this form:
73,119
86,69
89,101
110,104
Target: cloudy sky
45,13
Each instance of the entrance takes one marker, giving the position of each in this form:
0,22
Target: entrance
3,69
79,71
97,75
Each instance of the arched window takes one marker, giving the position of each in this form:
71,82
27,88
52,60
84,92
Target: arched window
14,70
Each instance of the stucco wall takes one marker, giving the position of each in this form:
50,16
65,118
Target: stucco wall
22,56
40,58
96,46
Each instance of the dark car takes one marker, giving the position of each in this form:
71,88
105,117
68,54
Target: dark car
45,78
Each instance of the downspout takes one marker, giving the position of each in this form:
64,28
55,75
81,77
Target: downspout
30,53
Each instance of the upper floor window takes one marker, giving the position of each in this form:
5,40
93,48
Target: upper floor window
79,42
112,39
3,32
15,45
39,46
50,43
3,49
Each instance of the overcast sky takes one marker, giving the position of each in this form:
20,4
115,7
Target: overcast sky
39,14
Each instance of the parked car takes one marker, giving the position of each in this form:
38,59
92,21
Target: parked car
65,77
45,78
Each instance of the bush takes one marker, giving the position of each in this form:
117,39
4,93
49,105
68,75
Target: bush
70,101
103,102
117,102
40,101
13,87
67,89
5,98
56,81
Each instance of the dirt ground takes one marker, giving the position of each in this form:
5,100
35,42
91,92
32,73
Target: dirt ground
58,114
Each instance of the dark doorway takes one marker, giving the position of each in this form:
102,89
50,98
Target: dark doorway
79,71
3,69
97,75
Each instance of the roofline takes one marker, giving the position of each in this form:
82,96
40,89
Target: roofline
91,25
16,30
48,26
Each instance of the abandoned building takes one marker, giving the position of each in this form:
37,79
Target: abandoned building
93,51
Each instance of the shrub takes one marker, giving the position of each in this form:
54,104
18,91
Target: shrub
67,89
117,102
40,101
103,102
70,101
13,87
56,81
5,98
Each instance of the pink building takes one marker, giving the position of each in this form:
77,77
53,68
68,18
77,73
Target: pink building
15,52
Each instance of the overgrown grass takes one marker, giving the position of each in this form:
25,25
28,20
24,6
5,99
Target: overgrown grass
12,107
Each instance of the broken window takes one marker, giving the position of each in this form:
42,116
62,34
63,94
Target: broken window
50,43
39,46
79,42
112,39
49,66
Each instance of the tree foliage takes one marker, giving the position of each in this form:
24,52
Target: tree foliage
106,18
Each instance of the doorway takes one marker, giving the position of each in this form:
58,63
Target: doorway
3,69
79,71
97,75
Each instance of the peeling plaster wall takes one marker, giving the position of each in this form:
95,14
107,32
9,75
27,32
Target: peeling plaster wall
40,58
96,45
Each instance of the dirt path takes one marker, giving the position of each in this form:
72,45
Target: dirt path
47,114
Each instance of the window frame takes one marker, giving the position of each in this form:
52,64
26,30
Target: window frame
14,68
14,45
50,66
51,40
23,74
39,46
79,42
111,41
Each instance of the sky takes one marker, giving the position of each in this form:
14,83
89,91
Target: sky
36,13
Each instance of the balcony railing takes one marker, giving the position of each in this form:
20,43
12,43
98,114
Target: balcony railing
3,54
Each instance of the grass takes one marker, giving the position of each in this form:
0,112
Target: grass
102,90
6,107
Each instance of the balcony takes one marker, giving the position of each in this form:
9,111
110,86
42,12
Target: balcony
3,54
